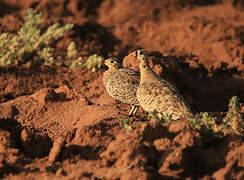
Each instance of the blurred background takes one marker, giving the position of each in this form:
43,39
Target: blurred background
199,44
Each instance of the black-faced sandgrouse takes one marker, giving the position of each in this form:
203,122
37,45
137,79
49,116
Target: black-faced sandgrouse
122,83
156,93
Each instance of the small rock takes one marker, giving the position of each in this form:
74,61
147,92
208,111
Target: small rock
56,149
44,95
6,112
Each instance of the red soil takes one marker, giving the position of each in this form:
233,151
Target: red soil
61,123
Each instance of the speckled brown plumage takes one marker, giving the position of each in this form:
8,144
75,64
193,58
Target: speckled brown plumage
155,93
121,83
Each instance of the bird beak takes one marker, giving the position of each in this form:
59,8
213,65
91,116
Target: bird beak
106,62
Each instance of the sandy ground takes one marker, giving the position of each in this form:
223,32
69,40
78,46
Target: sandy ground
58,123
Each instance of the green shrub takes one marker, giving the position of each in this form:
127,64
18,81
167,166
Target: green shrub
233,123
159,117
234,118
31,43
74,61
93,62
126,124
205,123
71,51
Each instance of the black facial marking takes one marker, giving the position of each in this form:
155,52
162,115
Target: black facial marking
144,53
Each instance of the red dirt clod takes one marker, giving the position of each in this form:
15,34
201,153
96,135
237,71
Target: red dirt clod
56,149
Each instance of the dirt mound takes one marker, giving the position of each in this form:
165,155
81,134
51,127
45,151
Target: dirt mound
57,122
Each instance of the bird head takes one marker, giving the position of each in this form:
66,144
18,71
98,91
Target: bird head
141,55
112,62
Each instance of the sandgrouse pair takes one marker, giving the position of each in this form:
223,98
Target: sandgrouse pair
144,89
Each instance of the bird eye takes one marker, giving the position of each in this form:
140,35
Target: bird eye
112,61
